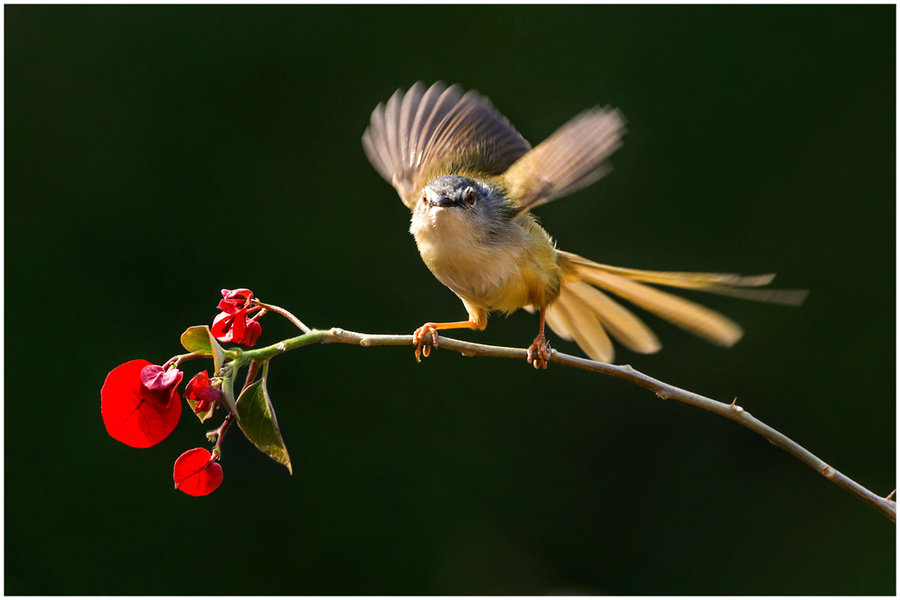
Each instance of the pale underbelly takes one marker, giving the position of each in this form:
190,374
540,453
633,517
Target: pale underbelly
498,284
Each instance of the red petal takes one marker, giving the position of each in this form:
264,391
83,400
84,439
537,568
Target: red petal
251,333
196,384
220,325
235,300
196,474
198,391
155,378
209,395
133,414
229,328
238,294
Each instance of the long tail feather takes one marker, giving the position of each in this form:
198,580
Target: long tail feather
621,323
582,324
686,314
725,284
589,316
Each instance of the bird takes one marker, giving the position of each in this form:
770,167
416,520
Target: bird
471,182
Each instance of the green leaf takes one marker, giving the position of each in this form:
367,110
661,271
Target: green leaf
256,418
196,339
218,353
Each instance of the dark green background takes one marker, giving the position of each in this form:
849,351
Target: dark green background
157,154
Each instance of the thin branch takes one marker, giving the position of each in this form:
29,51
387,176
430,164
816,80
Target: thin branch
175,361
730,411
284,313
219,434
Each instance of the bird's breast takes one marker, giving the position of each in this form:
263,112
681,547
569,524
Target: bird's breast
501,274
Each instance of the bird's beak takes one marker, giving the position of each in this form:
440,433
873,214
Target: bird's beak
444,202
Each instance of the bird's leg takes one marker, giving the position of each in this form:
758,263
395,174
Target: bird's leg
424,342
539,350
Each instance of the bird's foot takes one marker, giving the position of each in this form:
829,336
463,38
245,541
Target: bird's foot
539,352
425,342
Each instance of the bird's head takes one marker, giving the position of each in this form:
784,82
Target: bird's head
459,205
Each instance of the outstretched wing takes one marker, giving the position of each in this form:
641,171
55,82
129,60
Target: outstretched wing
423,133
570,159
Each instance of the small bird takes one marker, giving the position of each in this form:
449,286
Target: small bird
471,181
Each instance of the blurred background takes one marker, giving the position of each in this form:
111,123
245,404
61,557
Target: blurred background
157,154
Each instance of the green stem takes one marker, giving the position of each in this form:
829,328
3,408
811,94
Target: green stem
220,432
267,352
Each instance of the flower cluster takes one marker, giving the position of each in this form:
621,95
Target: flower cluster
140,404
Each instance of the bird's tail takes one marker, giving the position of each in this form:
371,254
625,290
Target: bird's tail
586,313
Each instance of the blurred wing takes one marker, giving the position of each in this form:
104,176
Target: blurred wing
424,133
570,159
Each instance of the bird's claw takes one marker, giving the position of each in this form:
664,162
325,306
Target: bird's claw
539,352
423,342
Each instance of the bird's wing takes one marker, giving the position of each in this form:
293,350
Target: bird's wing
424,133
570,159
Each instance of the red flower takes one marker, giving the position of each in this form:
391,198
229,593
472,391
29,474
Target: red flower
196,473
232,324
138,414
202,398
236,328
235,301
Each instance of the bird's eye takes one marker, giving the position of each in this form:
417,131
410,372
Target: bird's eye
424,199
470,197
